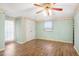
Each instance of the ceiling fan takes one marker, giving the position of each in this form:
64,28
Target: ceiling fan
46,7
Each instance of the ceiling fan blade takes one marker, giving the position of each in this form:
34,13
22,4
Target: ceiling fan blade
54,3
37,5
58,9
39,11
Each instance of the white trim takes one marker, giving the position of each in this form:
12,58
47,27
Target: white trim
76,50
21,42
53,39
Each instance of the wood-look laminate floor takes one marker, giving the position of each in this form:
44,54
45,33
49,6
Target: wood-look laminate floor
39,48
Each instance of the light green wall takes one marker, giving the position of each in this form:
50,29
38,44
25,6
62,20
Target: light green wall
2,18
76,19
20,30
62,31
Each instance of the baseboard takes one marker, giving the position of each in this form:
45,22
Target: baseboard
42,39
76,50
53,40
23,41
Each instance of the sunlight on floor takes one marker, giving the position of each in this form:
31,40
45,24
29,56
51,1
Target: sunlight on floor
10,50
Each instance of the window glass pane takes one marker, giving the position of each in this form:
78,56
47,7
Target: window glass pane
48,25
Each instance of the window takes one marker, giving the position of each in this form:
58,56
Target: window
48,25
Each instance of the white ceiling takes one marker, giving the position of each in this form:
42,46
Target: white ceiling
28,10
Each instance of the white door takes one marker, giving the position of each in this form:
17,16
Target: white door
30,30
9,30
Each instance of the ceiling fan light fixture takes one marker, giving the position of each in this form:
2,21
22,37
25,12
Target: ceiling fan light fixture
50,12
47,14
44,13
